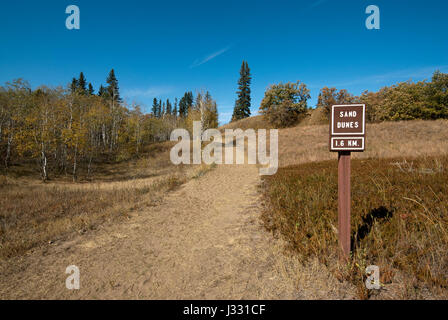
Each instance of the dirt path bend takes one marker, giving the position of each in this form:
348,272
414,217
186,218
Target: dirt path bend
205,241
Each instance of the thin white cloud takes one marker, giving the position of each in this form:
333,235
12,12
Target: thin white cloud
398,75
224,117
408,74
225,114
211,56
317,3
149,92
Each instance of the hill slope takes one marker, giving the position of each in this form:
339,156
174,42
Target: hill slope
205,239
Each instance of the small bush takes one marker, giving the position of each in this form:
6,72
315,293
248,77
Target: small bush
283,104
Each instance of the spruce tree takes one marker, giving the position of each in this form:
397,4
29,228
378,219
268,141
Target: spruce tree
190,100
91,91
102,92
159,109
155,106
184,104
175,108
181,107
112,89
168,107
242,104
74,85
82,84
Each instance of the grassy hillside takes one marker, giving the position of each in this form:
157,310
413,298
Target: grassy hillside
308,140
255,122
313,117
410,139
399,205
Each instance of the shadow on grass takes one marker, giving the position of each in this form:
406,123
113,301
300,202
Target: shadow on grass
377,214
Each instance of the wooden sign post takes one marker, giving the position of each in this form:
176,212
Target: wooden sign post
347,134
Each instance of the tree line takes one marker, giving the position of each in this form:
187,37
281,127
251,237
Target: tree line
286,103
64,128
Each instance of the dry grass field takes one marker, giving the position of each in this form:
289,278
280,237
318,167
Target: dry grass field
308,141
409,139
33,213
399,205
313,117
399,221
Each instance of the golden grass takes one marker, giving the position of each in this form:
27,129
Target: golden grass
408,139
399,204
33,213
255,122
309,140
399,220
312,117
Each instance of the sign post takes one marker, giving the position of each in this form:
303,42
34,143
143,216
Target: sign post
347,134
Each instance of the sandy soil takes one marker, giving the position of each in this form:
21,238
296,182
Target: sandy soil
204,241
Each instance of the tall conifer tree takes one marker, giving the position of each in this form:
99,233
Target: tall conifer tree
112,89
91,91
102,92
155,107
82,84
175,107
242,104
168,107
159,109
74,85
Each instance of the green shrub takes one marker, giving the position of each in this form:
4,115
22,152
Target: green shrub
284,103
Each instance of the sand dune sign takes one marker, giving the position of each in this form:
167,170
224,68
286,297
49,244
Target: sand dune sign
348,127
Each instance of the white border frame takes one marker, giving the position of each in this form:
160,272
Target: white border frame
348,148
350,133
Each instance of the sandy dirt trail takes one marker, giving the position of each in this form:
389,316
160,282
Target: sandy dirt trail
205,241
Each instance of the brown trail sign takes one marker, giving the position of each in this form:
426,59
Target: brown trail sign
347,134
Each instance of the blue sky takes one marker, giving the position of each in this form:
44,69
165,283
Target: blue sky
162,49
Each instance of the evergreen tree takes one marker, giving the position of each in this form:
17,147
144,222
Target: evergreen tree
159,109
175,108
82,84
242,104
189,100
74,85
91,91
102,92
155,107
186,103
183,109
112,88
168,107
